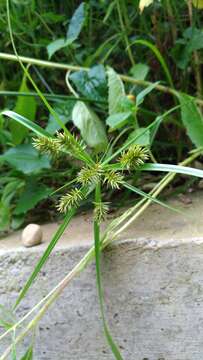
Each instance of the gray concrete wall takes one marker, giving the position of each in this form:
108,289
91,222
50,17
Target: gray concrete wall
153,280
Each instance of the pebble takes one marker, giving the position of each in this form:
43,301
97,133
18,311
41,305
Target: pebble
32,235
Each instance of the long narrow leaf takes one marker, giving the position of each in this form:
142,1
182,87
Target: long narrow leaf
147,196
45,256
27,123
158,55
173,169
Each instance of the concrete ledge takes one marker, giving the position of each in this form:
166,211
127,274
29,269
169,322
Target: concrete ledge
153,280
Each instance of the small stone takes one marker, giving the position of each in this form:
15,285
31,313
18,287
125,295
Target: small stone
31,235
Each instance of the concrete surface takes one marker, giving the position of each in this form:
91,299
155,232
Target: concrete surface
153,280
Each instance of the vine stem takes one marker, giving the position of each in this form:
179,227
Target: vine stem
108,237
65,67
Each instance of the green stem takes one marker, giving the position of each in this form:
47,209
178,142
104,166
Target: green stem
97,245
124,33
125,78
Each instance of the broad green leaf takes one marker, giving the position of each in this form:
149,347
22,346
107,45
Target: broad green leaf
116,121
74,29
141,136
76,22
31,196
140,97
57,45
26,159
28,355
139,71
27,123
192,119
45,256
91,128
25,106
173,169
92,83
64,111
116,91
4,216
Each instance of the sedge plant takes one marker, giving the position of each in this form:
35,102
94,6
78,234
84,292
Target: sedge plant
100,171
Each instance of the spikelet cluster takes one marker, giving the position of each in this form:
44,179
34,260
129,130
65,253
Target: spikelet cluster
47,145
69,143
113,179
100,211
135,156
71,199
90,175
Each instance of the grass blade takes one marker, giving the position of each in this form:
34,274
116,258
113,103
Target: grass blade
27,123
147,196
172,169
45,256
158,55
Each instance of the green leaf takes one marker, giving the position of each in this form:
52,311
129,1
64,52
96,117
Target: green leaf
116,121
92,83
116,91
45,256
64,111
76,22
91,128
4,216
149,197
31,196
56,45
17,221
10,190
140,97
139,71
29,354
141,136
191,119
26,159
25,106
158,55
27,123
173,169
74,29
